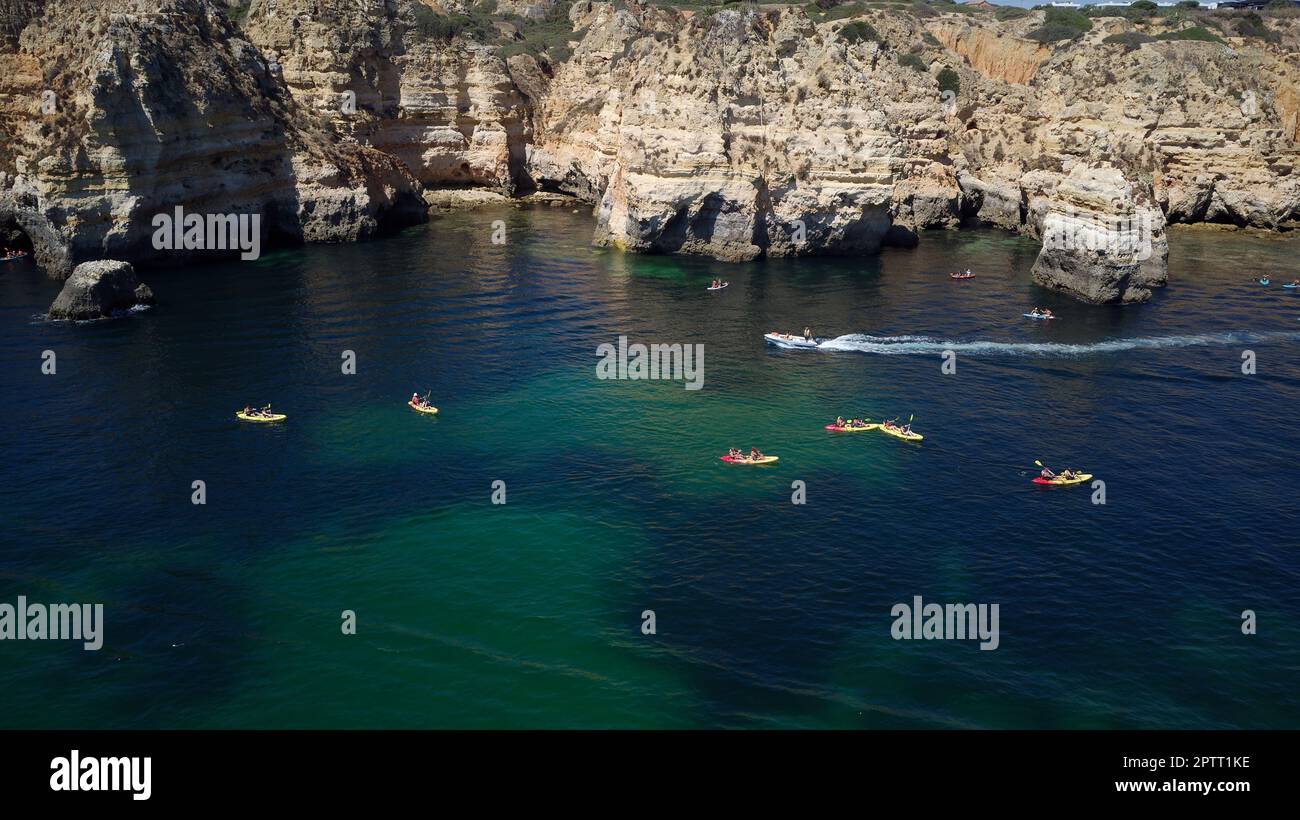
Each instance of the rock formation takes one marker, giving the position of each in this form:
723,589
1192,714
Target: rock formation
121,109
729,132
1102,241
98,290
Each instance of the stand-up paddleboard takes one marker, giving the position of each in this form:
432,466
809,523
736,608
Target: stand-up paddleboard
719,287
836,429
792,342
763,460
1079,478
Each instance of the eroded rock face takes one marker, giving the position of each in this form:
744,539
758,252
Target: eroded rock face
162,104
446,108
733,134
1103,240
98,290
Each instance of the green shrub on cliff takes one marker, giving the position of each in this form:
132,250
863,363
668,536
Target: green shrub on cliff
474,24
858,31
1010,13
1129,39
1195,33
911,61
949,80
1061,24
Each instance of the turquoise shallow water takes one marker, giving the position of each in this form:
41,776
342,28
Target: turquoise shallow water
769,614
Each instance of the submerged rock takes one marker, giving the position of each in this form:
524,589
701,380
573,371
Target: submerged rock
1103,239
96,290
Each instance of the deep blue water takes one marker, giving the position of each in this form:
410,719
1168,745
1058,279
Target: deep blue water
769,614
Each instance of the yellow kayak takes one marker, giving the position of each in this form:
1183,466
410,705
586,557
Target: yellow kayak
430,409
273,417
763,460
897,433
1079,478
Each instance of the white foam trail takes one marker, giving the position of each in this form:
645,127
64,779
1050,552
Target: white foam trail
926,346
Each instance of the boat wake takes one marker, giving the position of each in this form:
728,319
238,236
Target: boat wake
927,346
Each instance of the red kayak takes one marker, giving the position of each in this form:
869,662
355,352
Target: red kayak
763,460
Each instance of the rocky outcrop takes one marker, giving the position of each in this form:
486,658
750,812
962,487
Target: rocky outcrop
156,105
732,132
444,106
1103,241
98,290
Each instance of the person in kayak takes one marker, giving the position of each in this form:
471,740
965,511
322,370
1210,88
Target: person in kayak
733,453
1048,474
839,421
1068,475
807,334
968,273
754,454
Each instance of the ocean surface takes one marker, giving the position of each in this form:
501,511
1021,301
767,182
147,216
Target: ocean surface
768,614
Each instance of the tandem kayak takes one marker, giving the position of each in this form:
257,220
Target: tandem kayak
428,408
781,340
719,287
1291,287
1036,316
14,258
897,433
1079,478
273,417
837,429
763,460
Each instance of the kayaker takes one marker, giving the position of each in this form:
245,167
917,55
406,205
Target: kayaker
968,273
839,421
1068,475
735,454
248,410
1047,313
754,454
807,334
1048,474
266,411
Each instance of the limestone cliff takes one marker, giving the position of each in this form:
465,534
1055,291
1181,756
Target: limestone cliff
732,132
443,105
117,110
